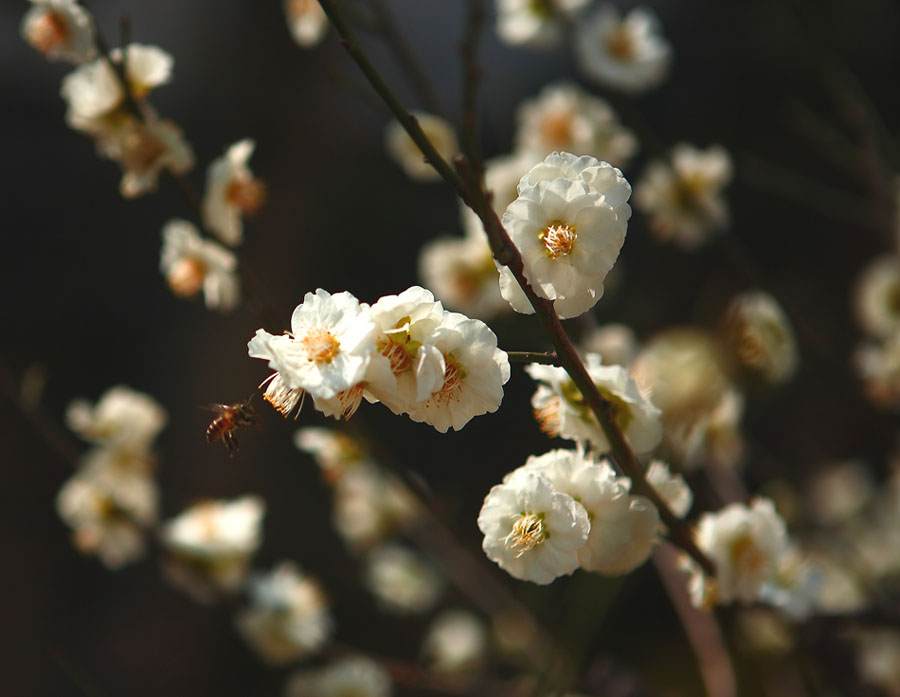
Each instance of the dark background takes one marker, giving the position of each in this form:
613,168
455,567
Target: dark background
84,300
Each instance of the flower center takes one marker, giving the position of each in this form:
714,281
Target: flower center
187,276
559,239
320,345
246,193
48,32
557,130
620,45
542,9
453,377
141,151
746,555
527,533
399,347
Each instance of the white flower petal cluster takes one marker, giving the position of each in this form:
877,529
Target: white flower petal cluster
93,92
625,53
671,487
123,419
407,154
192,264
561,410
760,336
531,530
569,223
288,617
231,192
535,24
440,367
683,197
60,30
357,676
877,291
615,343
109,503
555,494
456,641
401,580
306,21
112,499
685,371
563,117
745,543
211,544
335,453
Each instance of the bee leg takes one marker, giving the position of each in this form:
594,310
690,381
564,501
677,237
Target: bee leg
230,442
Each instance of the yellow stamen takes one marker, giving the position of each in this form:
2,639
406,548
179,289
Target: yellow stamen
527,533
321,346
559,239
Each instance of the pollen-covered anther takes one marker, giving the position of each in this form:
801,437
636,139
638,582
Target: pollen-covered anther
453,376
526,534
559,239
186,277
548,416
285,399
247,193
397,355
321,345
48,32
350,400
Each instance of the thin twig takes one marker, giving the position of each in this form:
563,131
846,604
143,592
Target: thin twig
467,183
471,78
407,60
533,357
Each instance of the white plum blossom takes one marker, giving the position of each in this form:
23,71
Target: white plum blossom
306,21
624,528
569,223
456,641
335,453
405,325
327,352
745,543
473,373
461,272
407,154
109,503
878,364
123,419
231,192
211,544
877,294
535,23
564,117
531,530
402,581
683,198
761,337
92,91
60,30
561,410
671,488
357,676
369,505
616,344
288,617
625,53
192,264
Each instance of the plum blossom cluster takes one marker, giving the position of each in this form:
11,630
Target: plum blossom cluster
625,53
754,559
406,351
563,510
112,499
563,117
683,197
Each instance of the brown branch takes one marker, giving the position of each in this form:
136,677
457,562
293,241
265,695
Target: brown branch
467,182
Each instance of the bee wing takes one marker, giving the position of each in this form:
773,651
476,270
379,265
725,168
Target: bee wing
215,407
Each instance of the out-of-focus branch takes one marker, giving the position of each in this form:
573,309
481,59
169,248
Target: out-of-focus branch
533,357
471,78
467,182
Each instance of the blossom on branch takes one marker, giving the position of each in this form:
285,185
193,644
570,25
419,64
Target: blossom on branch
231,192
535,23
60,30
192,264
306,21
569,223
407,154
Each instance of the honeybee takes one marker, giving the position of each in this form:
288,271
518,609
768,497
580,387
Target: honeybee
230,417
